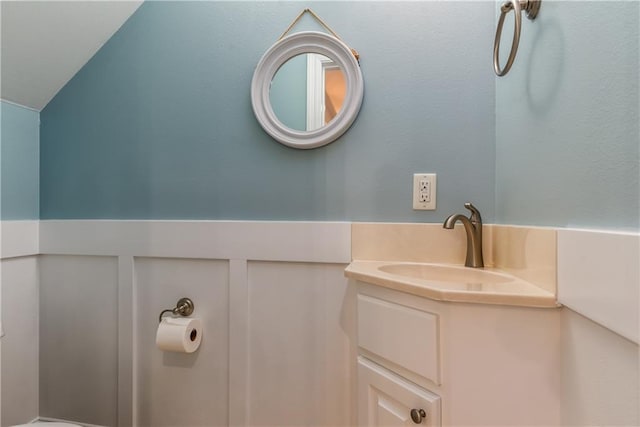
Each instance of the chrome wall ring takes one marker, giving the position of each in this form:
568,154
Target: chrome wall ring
184,307
531,8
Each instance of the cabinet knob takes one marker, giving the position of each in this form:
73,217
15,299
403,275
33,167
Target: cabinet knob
417,415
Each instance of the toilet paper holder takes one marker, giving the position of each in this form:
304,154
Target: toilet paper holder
184,307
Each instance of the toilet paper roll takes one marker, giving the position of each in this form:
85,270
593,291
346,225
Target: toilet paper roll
181,335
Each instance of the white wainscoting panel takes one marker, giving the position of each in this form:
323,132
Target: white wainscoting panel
20,343
79,338
18,280
301,346
121,274
179,389
599,277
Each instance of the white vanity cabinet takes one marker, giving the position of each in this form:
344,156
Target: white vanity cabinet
396,341
462,364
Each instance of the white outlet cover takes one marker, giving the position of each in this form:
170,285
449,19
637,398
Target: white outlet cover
424,199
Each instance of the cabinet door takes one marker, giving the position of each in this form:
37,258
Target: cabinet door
386,399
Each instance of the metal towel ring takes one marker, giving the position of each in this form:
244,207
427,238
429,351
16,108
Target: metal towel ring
531,8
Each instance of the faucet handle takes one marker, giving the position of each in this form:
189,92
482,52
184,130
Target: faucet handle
475,213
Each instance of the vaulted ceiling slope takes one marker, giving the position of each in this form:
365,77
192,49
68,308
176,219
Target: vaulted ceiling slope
45,43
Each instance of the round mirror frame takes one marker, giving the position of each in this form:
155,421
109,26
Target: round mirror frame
287,48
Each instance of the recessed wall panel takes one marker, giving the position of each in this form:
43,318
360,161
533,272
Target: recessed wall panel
20,343
301,345
600,375
179,389
78,338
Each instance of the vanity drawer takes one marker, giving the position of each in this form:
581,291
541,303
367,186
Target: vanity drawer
402,335
386,399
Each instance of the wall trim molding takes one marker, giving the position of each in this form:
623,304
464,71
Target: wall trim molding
290,241
19,238
599,278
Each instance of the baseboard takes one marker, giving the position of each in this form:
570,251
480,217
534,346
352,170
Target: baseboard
58,420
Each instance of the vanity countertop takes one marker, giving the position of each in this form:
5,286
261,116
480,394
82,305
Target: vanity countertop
453,283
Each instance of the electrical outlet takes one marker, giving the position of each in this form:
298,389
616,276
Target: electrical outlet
424,191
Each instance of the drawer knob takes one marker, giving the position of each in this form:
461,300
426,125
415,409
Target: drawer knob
417,415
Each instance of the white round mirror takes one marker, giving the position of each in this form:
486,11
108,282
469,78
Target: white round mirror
307,90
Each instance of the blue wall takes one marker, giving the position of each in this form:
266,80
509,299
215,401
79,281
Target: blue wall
567,118
159,123
19,162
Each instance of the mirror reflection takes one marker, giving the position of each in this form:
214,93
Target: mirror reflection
307,92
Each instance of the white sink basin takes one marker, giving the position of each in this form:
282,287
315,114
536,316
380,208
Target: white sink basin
455,283
446,273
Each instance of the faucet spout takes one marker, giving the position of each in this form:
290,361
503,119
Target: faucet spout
451,220
473,230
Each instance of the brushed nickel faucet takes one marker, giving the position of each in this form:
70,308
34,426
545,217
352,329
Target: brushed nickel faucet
473,228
